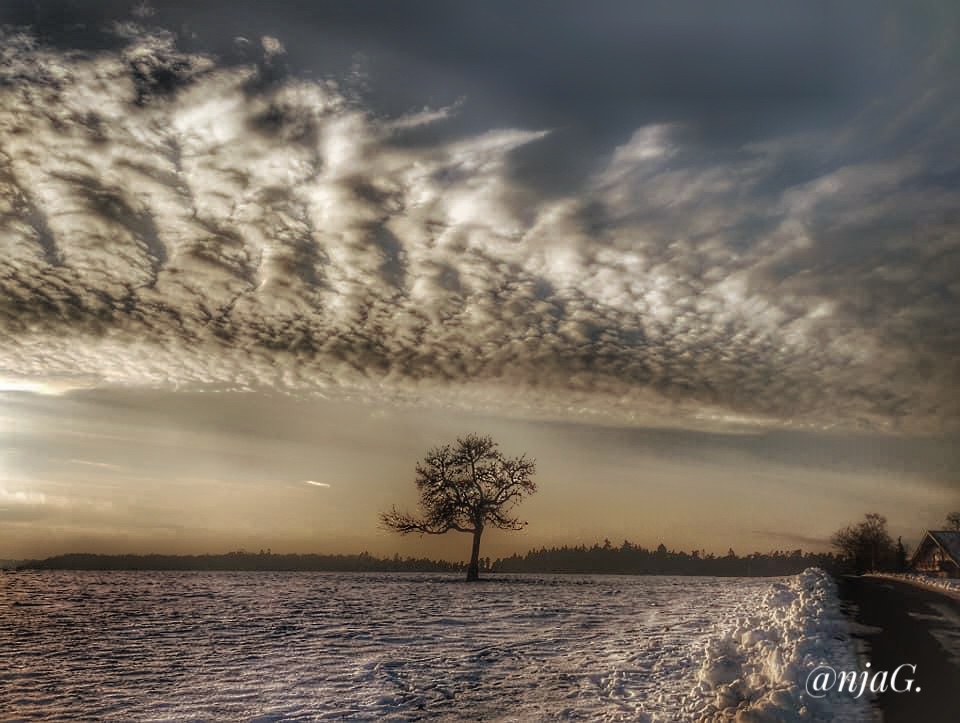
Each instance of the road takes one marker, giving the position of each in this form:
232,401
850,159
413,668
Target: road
902,623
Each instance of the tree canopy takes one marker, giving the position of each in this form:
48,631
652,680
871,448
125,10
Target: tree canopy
953,521
465,487
867,545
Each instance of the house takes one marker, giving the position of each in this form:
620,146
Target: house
938,554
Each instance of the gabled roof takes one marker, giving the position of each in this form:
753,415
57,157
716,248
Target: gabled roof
946,540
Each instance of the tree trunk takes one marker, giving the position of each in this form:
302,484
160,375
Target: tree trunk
473,572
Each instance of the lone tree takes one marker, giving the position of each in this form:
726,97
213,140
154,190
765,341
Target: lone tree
953,521
466,487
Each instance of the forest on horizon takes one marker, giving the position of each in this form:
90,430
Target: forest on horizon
605,558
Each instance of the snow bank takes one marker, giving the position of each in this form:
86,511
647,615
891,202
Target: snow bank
941,583
756,664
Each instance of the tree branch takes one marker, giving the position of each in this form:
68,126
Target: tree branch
405,524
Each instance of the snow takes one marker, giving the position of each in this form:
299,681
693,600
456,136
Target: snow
756,663
941,583
328,646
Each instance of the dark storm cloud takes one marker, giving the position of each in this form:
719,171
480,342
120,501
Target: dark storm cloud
730,70
751,229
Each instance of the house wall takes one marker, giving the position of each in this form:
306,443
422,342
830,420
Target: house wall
930,560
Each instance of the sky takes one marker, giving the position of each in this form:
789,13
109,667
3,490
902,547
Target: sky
700,261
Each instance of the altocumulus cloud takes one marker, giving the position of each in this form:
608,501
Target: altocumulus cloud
170,220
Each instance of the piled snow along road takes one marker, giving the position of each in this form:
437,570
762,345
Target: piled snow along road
941,583
756,665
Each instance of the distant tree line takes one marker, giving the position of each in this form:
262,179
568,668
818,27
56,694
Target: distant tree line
631,559
245,561
627,559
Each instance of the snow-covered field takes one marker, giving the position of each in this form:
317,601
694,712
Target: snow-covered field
325,646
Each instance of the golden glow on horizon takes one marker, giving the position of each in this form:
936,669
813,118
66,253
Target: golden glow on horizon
50,386
126,470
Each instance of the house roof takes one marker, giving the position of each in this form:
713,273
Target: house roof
947,540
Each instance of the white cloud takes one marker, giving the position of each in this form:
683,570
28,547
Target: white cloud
212,232
92,463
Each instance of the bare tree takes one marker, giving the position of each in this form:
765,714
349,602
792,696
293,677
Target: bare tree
466,487
867,545
953,521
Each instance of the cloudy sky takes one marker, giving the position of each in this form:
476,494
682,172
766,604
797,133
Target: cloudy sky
701,261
